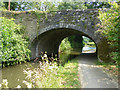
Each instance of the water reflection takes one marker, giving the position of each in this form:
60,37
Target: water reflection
68,55
15,75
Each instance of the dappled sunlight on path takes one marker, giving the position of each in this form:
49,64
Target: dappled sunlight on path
92,75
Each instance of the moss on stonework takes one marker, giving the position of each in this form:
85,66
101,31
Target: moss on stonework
85,26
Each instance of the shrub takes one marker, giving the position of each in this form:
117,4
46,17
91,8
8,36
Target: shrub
65,45
110,25
13,47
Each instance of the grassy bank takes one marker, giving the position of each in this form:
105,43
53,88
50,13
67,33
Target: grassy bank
50,75
69,74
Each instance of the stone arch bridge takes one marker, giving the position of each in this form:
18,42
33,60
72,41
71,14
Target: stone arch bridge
46,30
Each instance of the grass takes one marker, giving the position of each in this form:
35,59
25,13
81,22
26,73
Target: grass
69,74
60,77
48,75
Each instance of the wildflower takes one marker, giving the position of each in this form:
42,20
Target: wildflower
18,86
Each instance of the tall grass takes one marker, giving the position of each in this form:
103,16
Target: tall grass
50,75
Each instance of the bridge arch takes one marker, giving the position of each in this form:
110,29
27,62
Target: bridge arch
39,25
49,38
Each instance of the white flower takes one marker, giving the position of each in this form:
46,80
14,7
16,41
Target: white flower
5,82
50,67
18,86
24,81
29,85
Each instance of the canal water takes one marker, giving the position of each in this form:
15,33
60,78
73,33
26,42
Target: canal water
15,75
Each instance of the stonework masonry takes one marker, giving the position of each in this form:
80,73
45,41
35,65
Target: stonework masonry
46,30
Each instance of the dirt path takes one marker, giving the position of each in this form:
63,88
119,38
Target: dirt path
91,75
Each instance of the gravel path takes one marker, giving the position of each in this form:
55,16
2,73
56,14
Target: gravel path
91,75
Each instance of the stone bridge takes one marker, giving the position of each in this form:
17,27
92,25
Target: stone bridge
46,30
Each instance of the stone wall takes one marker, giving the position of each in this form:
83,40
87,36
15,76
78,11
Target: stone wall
46,30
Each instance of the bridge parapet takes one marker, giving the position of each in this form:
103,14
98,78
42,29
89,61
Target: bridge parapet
35,21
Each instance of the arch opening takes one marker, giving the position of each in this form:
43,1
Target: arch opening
71,48
50,41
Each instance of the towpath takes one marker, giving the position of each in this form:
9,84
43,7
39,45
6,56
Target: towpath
92,75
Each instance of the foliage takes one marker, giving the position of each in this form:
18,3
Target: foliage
13,46
65,45
69,74
76,42
71,5
50,75
110,25
23,6
44,76
91,5
64,56
53,6
88,41
71,42
49,6
2,6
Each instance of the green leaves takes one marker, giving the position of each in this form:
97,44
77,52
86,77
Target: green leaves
71,5
110,25
13,46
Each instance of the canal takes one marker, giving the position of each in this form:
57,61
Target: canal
16,76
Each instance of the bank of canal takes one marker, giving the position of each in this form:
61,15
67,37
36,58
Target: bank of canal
15,75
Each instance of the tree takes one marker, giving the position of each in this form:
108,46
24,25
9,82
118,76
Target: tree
24,6
49,6
2,6
94,5
110,26
71,5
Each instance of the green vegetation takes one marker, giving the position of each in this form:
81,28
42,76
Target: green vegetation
54,5
91,5
76,42
23,6
44,76
64,56
2,6
71,5
13,47
71,42
65,45
69,74
50,75
88,42
110,25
